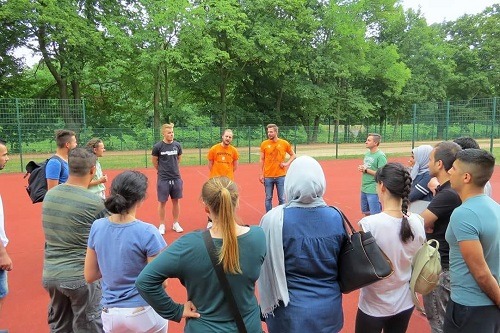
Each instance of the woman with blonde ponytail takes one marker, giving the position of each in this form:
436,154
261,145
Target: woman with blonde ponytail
241,251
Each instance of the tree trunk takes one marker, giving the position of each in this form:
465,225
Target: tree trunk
314,138
156,103
166,94
222,92
62,82
279,100
75,86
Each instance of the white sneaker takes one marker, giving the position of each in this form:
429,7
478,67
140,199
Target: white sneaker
161,229
209,225
177,227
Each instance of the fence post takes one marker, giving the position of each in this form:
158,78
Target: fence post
295,140
336,138
83,115
329,128
249,143
146,147
19,135
493,123
447,119
414,120
199,145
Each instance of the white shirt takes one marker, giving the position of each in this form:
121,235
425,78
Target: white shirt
391,295
3,237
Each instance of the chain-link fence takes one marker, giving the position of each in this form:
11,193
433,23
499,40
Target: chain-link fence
29,124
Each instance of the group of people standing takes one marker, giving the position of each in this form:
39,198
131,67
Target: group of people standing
106,270
448,189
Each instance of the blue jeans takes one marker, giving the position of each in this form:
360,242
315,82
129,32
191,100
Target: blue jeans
4,286
280,189
436,301
370,204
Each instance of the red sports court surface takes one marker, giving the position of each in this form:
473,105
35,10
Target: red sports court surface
25,307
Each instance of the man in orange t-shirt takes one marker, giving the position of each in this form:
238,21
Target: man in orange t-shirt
223,159
273,166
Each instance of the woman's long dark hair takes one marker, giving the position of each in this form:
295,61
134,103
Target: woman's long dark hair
397,181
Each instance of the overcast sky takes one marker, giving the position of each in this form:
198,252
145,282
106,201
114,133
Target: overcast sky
437,11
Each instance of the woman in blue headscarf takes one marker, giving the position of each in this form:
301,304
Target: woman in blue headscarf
298,287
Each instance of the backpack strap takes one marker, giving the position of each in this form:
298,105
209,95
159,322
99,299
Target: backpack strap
60,161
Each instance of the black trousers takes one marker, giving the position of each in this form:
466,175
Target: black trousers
397,323
464,319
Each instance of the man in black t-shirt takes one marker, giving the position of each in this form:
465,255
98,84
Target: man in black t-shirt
166,157
436,219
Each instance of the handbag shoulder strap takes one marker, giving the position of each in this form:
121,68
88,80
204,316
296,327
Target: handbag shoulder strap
209,244
345,220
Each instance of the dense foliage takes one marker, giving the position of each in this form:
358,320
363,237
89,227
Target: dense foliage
139,63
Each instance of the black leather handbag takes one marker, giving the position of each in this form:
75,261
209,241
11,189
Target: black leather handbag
361,261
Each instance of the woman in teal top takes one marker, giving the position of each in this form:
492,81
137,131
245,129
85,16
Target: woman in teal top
241,249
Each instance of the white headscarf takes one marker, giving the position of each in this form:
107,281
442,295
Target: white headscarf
305,185
421,156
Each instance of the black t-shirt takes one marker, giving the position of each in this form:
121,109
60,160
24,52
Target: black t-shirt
442,205
168,159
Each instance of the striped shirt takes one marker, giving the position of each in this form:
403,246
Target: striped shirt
67,214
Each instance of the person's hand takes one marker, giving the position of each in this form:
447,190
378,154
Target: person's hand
5,262
432,185
165,284
261,179
190,311
104,179
361,168
282,165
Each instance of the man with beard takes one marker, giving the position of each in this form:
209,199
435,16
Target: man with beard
223,159
273,166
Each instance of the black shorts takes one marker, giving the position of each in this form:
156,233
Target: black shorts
166,188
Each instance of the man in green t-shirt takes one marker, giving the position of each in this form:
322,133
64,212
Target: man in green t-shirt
373,160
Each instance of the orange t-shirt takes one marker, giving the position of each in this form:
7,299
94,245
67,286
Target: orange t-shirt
223,158
274,154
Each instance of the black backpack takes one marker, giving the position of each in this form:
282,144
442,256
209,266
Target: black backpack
37,183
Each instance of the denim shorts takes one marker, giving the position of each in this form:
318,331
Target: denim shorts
4,286
370,203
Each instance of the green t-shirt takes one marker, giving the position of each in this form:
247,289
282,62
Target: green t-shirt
67,214
98,175
372,162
